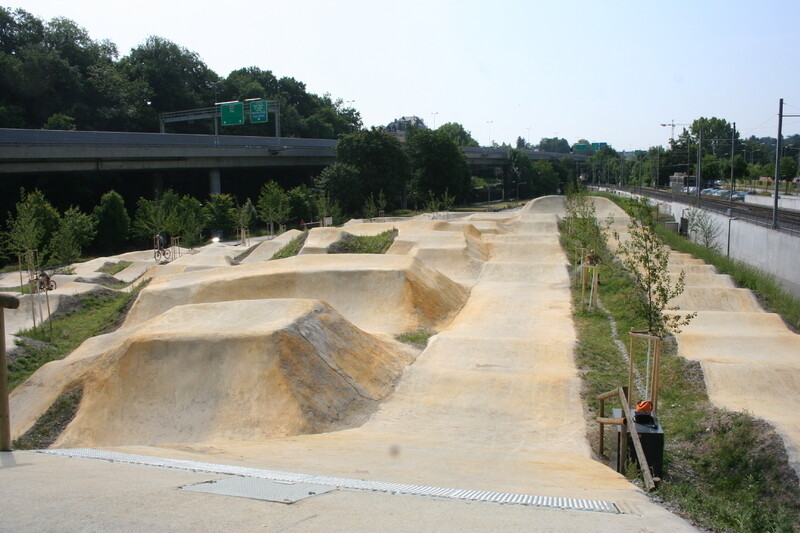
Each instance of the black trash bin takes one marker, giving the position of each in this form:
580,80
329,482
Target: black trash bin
652,438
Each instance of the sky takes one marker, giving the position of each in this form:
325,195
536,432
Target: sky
609,71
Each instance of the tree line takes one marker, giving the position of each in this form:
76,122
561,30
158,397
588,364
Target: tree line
53,75
715,140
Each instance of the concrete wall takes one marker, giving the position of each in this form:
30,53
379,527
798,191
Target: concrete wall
764,248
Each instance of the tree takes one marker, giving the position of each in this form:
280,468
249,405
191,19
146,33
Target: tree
716,134
456,133
112,221
646,260
438,165
381,161
59,121
327,207
179,79
554,144
301,204
33,226
545,178
246,215
272,204
343,185
788,168
703,229
76,230
221,214
522,172
190,221
156,216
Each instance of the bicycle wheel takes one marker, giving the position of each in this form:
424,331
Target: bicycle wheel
157,255
166,253
51,286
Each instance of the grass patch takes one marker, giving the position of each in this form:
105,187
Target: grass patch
50,425
763,284
725,470
417,338
114,268
292,248
87,315
360,244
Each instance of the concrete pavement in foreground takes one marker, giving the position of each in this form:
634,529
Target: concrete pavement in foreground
492,404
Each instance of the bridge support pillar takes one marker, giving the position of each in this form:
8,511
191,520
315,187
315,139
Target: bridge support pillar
158,184
214,181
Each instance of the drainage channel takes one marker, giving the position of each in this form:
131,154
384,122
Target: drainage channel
545,502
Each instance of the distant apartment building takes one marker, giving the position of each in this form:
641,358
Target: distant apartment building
398,127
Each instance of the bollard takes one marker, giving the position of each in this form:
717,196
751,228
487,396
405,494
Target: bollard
6,302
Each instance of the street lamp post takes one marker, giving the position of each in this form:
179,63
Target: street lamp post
489,122
434,119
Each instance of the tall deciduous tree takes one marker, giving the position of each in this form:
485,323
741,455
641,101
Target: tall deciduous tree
439,165
457,134
342,184
179,79
75,232
33,224
273,204
381,161
112,221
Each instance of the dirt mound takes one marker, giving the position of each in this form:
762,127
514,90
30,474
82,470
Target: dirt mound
234,370
378,293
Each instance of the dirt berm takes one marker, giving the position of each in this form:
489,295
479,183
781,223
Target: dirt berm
378,293
245,370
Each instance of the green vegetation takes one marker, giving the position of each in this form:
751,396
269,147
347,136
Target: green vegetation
768,291
292,248
725,470
50,425
417,338
89,314
363,244
114,268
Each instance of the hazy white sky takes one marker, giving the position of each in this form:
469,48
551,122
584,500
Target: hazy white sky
609,71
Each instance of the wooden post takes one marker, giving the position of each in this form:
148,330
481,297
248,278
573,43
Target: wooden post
6,302
601,447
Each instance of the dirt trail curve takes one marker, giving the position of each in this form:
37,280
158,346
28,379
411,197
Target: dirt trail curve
492,403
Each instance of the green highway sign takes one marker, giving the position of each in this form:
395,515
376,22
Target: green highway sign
581,147
258,111
232,113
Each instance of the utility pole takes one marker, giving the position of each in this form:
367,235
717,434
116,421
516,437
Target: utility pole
699,163
733,146
777,166
778,163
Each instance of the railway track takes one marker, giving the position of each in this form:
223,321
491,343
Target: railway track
788,219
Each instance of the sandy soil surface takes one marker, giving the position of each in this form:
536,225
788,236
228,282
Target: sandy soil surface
491,403
750,359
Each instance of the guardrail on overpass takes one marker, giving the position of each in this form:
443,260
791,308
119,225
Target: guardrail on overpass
41,151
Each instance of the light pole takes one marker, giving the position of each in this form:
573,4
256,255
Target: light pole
434,119
489,123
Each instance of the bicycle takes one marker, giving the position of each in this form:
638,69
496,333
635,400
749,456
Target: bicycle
160,253
46,283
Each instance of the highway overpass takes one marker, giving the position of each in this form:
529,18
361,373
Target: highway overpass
23,151
55,152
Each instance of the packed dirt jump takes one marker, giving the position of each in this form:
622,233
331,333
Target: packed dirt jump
294,365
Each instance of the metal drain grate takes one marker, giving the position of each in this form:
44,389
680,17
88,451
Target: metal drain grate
260,489
547,502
